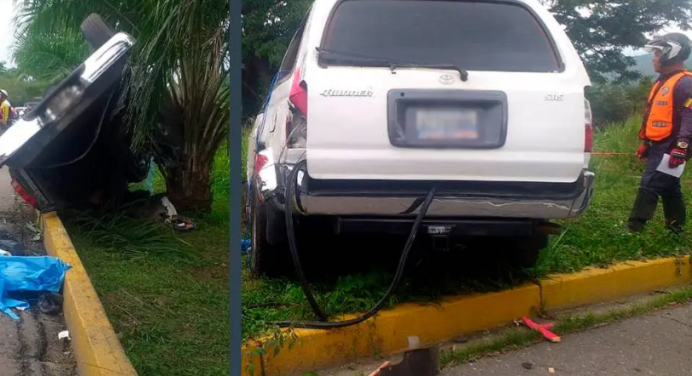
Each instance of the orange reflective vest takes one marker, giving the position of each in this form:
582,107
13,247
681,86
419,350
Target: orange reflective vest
658,124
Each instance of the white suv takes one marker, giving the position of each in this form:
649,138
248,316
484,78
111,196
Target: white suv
377,101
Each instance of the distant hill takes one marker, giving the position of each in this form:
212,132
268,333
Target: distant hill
643,64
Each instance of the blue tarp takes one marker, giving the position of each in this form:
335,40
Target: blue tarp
23,278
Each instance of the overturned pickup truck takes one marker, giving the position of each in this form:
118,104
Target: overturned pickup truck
72,150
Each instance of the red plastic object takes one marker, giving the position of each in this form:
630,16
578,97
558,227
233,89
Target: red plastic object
544,329
377,371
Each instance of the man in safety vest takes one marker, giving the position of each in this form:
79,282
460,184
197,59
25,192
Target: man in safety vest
5,107
665,133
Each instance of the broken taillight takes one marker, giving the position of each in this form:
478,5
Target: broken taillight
260,162
29,199
296,121
588,119
298,95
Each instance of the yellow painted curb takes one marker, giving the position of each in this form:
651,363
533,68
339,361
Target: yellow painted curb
96,347
388,332
622,280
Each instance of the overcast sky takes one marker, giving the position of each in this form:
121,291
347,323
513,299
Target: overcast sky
668,30
7,13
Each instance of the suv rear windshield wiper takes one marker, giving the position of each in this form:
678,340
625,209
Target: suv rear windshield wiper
393,63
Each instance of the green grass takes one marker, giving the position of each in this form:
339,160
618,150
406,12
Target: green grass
597,239
165,294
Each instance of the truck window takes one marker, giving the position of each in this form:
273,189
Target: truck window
476,35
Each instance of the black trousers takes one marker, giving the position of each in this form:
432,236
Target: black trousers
655,184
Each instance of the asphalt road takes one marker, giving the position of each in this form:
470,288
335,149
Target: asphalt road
656,344
29,347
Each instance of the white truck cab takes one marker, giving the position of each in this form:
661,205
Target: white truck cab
379,100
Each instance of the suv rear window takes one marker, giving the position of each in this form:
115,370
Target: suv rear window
481,36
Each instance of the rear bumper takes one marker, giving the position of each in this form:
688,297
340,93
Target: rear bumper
349,199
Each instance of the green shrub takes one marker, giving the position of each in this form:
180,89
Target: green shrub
616,102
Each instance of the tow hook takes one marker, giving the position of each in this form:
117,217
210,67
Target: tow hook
440,236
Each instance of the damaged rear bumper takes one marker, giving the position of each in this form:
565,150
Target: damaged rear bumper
404,199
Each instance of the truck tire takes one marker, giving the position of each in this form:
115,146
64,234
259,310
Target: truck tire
96,31
266,259
524,251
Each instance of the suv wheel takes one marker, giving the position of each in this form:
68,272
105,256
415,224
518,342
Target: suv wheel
96,31
524,251
267,259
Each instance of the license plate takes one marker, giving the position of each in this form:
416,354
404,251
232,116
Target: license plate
445,124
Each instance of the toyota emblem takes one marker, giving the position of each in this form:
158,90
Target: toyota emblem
446,79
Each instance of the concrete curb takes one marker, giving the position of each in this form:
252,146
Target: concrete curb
388,332
96,347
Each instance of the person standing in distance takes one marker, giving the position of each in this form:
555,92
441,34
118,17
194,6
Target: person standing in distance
4,110
666,129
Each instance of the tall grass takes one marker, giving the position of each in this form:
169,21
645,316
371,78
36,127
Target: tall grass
117,233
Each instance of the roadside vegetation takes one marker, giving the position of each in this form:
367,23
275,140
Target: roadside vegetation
165,293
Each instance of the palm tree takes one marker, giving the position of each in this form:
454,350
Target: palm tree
176,78
50,57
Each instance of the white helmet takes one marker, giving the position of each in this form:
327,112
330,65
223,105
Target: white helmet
4,92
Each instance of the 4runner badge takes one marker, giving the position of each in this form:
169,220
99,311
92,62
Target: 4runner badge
347,93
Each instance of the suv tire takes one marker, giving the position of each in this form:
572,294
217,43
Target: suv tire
96,31
271,260
525,251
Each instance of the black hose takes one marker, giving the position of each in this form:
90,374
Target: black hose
93,141
290,193
304,284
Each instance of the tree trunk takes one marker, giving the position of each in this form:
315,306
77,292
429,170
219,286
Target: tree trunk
189,185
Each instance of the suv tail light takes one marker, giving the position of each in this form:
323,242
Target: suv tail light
29,199
260,162
296,121
588,119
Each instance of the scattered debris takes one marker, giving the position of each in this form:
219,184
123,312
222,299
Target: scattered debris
50,303
180,223
461,339
25,278
13,247
527,365
551,370
35,231
32,227
377,371
544,329
64,335
418,362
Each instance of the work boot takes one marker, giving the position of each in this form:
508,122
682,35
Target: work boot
642,210
675,213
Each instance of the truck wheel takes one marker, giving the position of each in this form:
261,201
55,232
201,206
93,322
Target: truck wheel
265,258
96,31
524,251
